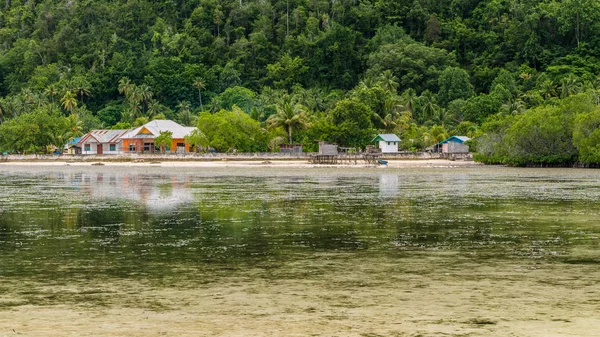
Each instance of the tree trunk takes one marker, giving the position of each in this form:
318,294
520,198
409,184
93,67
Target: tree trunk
200,99
290,133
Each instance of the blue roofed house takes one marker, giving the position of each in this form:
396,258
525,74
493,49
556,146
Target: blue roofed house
388,142
72,146
454,144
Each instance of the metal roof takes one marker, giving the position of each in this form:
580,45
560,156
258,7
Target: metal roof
157,126
386,137
103,136
456,139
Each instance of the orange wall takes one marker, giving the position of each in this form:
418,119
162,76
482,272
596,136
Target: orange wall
173,147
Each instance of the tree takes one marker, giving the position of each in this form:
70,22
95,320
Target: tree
68,101
200,85
290,115
454,84
351,123
197,139
164,140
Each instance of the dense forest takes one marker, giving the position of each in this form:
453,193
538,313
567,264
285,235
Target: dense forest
520,76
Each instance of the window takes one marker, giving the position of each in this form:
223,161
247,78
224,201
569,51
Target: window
113,147
180,144
389,143
131,147
148,147
87,147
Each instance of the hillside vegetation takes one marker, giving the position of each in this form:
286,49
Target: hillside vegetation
520,75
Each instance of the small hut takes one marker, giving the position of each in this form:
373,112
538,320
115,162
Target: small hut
328,149
290,148
454,144
388,142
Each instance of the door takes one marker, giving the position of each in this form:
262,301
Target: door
99,149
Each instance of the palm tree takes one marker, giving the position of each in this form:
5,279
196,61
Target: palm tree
185,114
75,126
428,105
569,86
410,98
513,107
125,86
548,89
69,101
154,108
388,81
200,85
290,115
81,88
51,91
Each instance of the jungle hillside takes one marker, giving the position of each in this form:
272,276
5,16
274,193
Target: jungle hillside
521,77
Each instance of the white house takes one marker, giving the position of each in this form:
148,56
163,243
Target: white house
102,142
388,142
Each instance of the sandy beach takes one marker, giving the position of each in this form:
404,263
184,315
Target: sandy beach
224,163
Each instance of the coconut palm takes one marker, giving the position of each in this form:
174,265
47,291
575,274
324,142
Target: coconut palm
409,97
51,91
548,89
68,101
388,81
290,114
428,106
569,86
185,113
125,86
200,85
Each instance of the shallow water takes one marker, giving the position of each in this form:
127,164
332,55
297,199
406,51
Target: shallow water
151,223
105,237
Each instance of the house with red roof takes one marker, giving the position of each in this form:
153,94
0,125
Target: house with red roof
102,142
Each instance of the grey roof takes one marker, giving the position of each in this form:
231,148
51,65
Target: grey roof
157,126
387,137
103,136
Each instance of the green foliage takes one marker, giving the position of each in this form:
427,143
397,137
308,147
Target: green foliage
229,130
164,140
454,84
466,61
351,124
36,131
238,96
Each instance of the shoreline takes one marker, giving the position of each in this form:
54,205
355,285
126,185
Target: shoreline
225,162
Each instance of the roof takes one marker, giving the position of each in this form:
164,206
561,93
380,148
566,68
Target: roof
74,141
103,136
386,137
155,127
456,139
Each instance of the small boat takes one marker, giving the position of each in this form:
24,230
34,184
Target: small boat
382,162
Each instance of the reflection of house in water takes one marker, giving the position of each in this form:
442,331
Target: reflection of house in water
156,192
388,185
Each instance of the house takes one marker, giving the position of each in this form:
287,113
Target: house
290,148
72,146
454,144
328,149
388,142
101,142
141,139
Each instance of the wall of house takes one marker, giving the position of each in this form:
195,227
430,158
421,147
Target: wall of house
140,145
388,147
105,148
92,145
454,147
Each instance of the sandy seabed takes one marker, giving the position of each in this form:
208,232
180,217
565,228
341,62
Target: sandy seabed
431,295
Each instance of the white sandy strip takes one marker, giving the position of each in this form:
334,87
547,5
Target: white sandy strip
260,164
